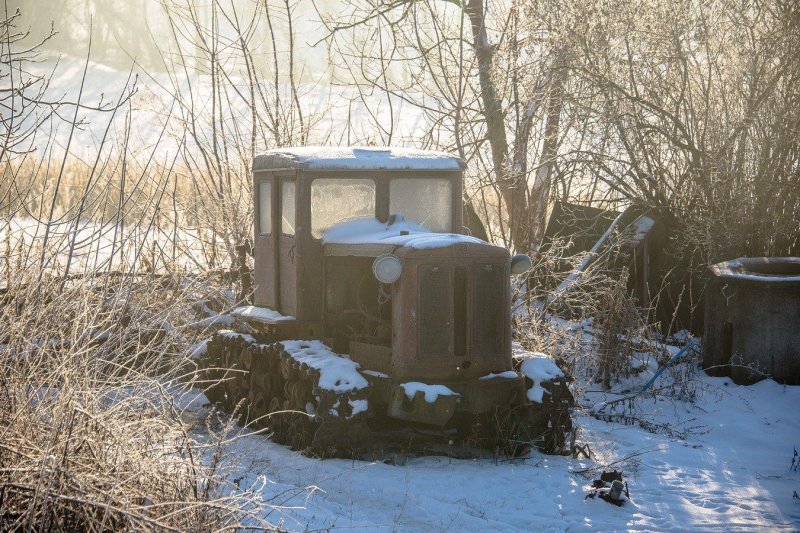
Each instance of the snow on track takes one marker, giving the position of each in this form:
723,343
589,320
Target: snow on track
336,373
432,392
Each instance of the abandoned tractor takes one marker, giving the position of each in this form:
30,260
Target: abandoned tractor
376,324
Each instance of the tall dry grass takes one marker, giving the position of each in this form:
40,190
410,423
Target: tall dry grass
102,262
95,382
590,321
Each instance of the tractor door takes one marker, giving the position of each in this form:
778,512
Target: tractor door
265,271
287,248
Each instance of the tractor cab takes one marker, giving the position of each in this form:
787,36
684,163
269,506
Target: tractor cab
300,193
363,247
372,305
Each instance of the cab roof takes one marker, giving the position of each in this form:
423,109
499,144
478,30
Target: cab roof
356,158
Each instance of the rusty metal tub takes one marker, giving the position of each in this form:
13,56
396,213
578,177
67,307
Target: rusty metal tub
752,320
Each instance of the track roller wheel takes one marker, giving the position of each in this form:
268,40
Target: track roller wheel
211,372
260,393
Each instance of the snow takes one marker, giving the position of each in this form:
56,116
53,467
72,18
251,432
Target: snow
91,247
340,109
337,373
432,392
261,314
640,228
221,319
375,373
508,374
539,368
742,269
372,231
729,473
358,406
356,158
236,335
698,454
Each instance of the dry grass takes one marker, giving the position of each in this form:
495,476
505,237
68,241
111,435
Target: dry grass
91,433
553,321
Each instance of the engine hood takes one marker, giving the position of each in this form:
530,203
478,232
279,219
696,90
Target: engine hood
370,237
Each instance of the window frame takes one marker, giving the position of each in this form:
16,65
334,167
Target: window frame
450,197
375,180
259,202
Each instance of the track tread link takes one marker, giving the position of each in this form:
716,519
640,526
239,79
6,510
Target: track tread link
267,388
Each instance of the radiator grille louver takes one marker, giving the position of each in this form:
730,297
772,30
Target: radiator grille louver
461,310
488,297
434,310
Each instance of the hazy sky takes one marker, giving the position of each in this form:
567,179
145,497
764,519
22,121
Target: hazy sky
126,29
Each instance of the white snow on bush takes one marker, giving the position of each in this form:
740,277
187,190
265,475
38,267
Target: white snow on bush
199,350
372,231
539,368
262,314
432,392
508,374
336,373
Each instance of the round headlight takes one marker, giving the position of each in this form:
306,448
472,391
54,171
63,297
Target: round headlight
387,268
520,264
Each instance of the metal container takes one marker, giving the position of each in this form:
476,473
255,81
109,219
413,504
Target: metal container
752,320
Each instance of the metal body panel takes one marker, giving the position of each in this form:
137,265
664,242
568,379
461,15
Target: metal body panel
408,362
287,267
289,277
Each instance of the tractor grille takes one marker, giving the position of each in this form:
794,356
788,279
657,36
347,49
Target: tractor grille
488,296
434,310
461,310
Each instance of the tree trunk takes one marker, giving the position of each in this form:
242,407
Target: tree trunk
512,185
540,191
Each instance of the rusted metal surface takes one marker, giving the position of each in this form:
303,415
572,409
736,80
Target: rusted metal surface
446,320
753,320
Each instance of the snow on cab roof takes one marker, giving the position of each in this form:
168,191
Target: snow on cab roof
356,158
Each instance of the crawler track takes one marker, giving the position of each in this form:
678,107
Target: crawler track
268,388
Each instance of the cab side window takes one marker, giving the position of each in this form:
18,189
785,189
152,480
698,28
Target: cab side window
287,207
265,207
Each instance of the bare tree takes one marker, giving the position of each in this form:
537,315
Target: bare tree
487,99
230,104
689,109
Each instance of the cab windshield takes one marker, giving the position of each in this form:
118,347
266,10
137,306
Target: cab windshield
426,201
335,200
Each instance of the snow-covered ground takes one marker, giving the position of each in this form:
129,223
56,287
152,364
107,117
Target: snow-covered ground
721,463
338,113
94,246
